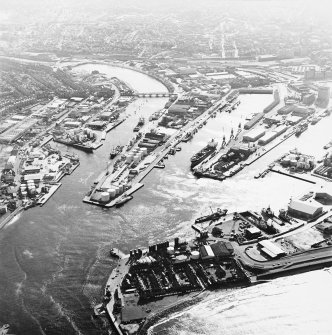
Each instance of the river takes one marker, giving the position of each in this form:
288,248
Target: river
54,259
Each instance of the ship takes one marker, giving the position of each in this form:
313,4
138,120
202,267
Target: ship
115,151
123,200
315,120
204,153
300,129
80,146
187,137
140,124
212,217
328,145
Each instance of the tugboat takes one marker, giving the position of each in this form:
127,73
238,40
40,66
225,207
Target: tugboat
214,216
172,151
204,153
115,151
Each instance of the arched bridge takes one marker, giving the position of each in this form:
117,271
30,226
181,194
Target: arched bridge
150,95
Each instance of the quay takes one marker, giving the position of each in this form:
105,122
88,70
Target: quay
154,158
135,297
42,201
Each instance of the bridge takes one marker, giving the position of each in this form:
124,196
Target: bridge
150,95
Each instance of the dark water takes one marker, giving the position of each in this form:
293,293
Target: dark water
54,260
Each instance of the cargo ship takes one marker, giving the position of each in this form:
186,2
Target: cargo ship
212,217
140,124
115,151
76,145
204,153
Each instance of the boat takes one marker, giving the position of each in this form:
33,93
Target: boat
300,129
140,124
178,148
328,145
315,120
80,146
115,151
268,212
212,217
160,165
204,153
123,200
187,137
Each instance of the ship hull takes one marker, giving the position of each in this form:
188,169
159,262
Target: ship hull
74,145
198,160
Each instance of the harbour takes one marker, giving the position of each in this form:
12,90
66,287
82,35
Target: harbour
153,218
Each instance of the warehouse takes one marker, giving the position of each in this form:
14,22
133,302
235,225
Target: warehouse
280,129
252,233
253,135
105,116
271,249
253,121
304,209
267,138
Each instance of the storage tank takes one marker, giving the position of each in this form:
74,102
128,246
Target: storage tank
112,192
293,162
285,161
129,158
117,189
121,188
137,158
170,250
307,166
104,196
144,150
194,255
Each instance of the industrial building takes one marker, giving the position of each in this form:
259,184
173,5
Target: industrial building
306,210
206,252
252,233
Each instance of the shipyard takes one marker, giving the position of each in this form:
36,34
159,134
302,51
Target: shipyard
165,167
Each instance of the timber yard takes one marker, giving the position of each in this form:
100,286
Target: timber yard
142,162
